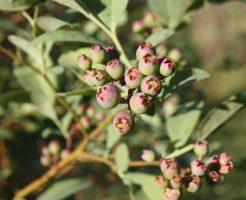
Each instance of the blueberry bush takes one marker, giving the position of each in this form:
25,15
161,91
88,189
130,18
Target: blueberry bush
110,105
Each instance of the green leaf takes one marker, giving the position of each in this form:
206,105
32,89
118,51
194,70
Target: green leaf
122,157
183,78
159,36
113,12
69,59
14,96
171,10
42,95
67,35
6,133
181,125
218,116
64,188
28,48
112,137
48,23
147,183
16,5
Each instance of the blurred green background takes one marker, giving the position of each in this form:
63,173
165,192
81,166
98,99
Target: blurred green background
215,40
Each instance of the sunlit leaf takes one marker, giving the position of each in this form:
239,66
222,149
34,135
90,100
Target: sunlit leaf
159,36
122,157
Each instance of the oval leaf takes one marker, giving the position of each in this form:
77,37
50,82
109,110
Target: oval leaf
122,157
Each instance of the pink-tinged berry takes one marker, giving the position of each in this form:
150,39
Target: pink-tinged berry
171,194
140,102
133,77
176,182
151,85
167,66
170,168
45,160
148,65
54,147
108,96
149,19
84,62
213,177
64,153
98,53
115,69
224,158
201,148
85,121
175,54
194,184
226,168
123,122
198,168
45,151
137,26
90,111
88,77
148,155
99,77
144,49
112,53
161,181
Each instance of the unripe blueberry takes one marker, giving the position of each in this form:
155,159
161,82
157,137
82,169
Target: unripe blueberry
88,77
176,182
175,54
84,62
140,102
161,181
161,50
137,26
133,77
144,49
170,168
148,65
213,177
45,160
226,168
54,147
112,53
90,111
224,158
148,155
45,151
64,153
194,184
99,77
201,148
198,168
170,105
108,95
98,53
151,85
167,66
85,121
123,122
149,19
171,194
115,69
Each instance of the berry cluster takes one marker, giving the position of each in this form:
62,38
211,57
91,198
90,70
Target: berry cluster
143,82
52,153
89,117
176,179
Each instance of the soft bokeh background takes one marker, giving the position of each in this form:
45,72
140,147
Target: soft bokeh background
215,40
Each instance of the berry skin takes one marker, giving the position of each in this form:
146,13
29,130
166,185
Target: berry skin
88,77
108,95
176,182
133,77
194,184
84,62
175,54
151,85
169,168
201,148
198,168
144,49
171,194
95,77
137,26
98,53
123,122
167,66
161,181
45,160
161,50
115,69
148,65
140,102
54,147
148,155
224,158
